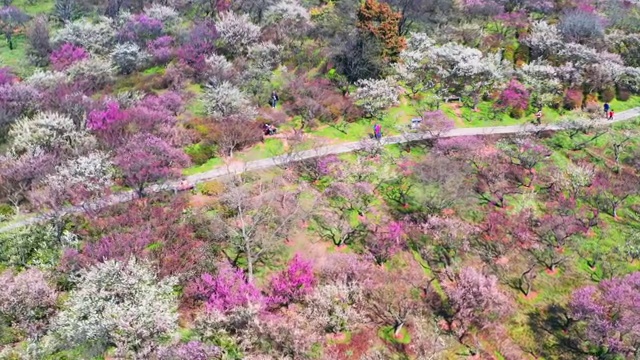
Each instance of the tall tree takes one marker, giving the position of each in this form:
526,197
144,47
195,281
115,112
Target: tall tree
146,159
11,19
256,221
380,21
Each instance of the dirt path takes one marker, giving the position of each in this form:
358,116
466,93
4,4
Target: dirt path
239,167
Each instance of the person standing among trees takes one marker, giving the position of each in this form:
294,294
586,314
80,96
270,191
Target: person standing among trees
539,117
274,99
606,109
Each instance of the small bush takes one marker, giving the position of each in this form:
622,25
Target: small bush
516,113
573,99
6,210
623,94
522,54
212,188
200,153
608,94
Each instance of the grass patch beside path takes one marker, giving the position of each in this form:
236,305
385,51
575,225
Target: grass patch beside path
209,165
270,148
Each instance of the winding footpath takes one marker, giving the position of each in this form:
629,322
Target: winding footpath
224,171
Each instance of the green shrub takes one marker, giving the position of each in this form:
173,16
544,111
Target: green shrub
6,210
522,54
509,53
516,113
200,153
212,188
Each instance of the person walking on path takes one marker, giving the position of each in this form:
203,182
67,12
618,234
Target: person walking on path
611,114
539,117
606,109
274,99
377,131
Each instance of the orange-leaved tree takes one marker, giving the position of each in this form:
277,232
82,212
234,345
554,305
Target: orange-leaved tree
381,22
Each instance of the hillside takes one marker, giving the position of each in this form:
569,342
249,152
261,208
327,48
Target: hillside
495,214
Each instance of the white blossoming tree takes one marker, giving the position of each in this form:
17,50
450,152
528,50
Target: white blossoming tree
288,18
543,39
84,177
413,68
542,81
465,71
47,131
223,99
121,305
128,57
237,32
376,95
97,37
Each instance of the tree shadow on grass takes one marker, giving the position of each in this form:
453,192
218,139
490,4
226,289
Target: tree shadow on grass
553,329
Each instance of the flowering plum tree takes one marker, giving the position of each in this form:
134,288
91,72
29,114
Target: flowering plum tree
475,301
446,238
237,32
515,97
11,19
127,57
48,131
606,315
376,95
7,76
256,222
16,100
193,350
225,99
27,301
146,159
140,29
96,37
226,290
66,55
293,283
161,49
118,304
609,191
82,178
128,231
384,242
18,175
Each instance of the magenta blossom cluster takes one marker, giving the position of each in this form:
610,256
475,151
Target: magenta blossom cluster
67,55
293,283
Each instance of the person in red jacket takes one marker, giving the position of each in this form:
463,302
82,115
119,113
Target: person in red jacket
610,114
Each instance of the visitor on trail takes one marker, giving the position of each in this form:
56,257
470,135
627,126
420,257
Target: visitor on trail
274,99
269,129
377,131
538,117
611,114
606,109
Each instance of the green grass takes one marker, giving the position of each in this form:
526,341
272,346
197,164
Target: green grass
39,6
154,70
195,106
16,59
619,106
209,165
270,148
386,333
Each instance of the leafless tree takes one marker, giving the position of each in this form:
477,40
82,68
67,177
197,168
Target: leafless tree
255,220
